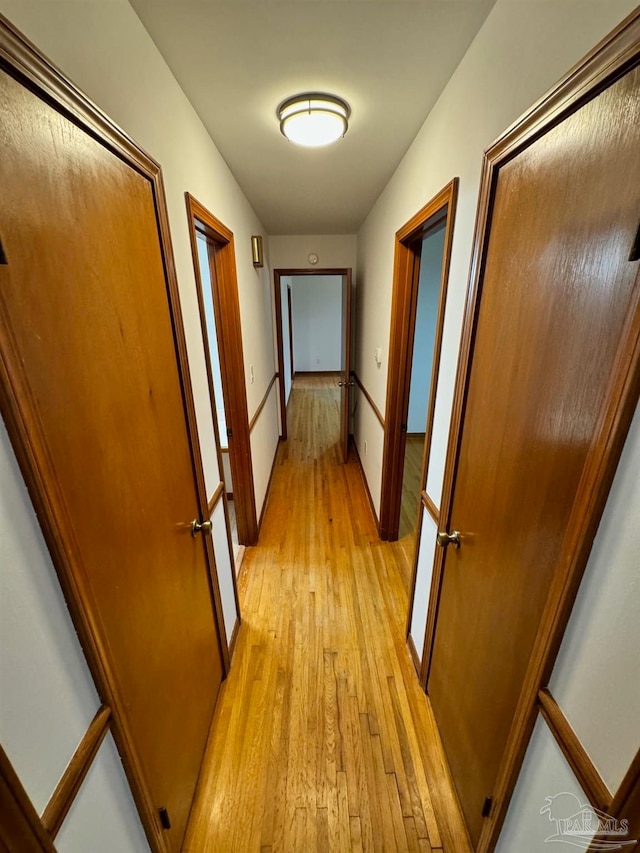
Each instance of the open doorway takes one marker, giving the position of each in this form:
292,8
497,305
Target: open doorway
313,329
423,248
214,264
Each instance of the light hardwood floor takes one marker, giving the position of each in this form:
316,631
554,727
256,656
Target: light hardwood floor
322,739
411,486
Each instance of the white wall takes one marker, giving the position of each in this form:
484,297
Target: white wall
333,250
47,695
426,318
523,48
316,308
596,679
141,94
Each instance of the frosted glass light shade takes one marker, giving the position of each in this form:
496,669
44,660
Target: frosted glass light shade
313,120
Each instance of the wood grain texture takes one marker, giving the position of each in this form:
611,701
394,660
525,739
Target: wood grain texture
598,454
323,739
21,830
583,767
67,788
376,411
215,497
102,140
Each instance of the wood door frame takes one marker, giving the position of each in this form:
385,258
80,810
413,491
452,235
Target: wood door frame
406,271
25,63
290,318
278,274
609,60
226,307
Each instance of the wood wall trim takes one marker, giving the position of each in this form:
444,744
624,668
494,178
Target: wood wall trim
430,507
364,480
67,788
263,402
415,657
234,638
268,489
369,399
608,61
408,244
215,497
20,827
583,767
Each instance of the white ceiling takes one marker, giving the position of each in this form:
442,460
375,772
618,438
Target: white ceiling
237,60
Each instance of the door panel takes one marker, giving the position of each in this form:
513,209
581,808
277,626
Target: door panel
87,336
345,365
557,292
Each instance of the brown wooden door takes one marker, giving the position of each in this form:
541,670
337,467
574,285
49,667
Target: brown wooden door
87,340
345,365
557,297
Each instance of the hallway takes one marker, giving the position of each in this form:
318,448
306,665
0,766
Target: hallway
322,739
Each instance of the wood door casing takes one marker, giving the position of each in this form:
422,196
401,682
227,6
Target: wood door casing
554,324
402,327
226,306
345,353
95,399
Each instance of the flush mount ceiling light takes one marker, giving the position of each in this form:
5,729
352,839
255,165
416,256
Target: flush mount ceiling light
314,119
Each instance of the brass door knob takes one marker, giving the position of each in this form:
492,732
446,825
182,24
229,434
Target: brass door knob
200,527
443,538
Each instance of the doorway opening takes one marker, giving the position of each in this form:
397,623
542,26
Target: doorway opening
313,335
214,264
423,249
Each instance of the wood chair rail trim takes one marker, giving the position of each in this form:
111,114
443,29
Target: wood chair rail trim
21,828
215,497
263,402
430,507
376,411
67,788
585,770
609,60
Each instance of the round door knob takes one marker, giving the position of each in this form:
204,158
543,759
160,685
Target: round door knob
443,538
200,527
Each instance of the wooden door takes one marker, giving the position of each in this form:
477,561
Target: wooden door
345,365
95,403
551,343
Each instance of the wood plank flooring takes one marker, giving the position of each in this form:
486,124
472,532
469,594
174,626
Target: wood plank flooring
411,486
322,739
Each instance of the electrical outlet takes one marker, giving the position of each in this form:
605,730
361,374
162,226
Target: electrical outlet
251,373
365,447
